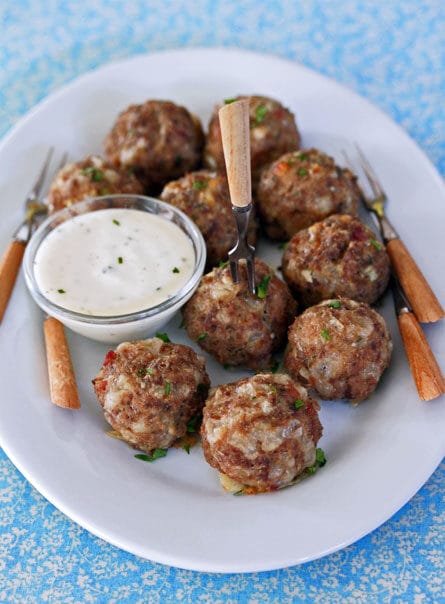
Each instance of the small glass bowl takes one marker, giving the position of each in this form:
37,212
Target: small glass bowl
117,328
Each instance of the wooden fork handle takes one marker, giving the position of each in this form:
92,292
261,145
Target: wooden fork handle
62,382
426,372
235,133
9,268
423,301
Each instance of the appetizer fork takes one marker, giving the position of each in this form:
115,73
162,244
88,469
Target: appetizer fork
421,297
234,122
427,375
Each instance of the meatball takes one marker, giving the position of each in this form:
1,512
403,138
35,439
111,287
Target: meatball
272,132
91,177
260,431
235,326
301,188
204,196
149,390
159,140
339,349
338,256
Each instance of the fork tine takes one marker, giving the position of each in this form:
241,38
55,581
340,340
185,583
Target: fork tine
37,187
369,173
234,270
63,161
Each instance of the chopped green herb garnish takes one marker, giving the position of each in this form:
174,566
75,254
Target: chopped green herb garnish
142,371
237,493
299,403
303,156
61,291
167,388
192,424
302,172
199,184
187,449
262,286
223,263
95,174
273,388
320,461
228,101
116,222
175,270
376,244
334,304
157,454
260,114
163,336
120,260
325,334
202,336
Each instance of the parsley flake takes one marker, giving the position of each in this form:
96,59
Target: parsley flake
228,101
120,260
325,335
156,454
320,461
202,336
299,403
302,172
260,114
187,449
376,244
192,425
303,156
334,304
164,337
116,222
61,291
223,263
95,174
175,270
263,286
167,388
199,184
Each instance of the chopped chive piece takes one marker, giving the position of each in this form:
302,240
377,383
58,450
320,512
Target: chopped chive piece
320,461
299,403
228,101
202,336
116,222
325,334
334,304
163,336
260,114
199,184
157,454
175,270
262,286
376,244
302,172
95,174
187,449
61,291
167,388
120,260
223,263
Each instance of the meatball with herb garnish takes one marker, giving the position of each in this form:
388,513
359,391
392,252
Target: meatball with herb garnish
339,349
235,326
91,177
273,131
159,140
204,196
301,188
150,391
338,256
261,433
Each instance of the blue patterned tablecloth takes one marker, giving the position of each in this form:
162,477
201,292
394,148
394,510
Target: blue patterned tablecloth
391,52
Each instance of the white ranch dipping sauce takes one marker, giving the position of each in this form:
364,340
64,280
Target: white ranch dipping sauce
113,262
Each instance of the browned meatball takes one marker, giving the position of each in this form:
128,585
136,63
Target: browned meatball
301,188
272,132
149,390
159,140
339,349
91,177
338,256
260,432
204,196
235,326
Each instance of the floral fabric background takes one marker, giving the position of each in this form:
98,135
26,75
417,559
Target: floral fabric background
392,53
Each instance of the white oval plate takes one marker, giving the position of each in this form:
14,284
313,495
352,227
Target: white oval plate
174,511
